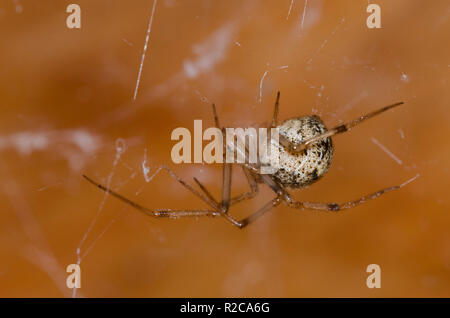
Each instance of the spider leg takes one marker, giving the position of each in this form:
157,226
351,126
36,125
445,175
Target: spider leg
342,206
253,188
275,111
154,212
241,197
226,174
226,186
227,201
207,193
173,175
190,188
226,181
256,215
216,118
294,147
277,188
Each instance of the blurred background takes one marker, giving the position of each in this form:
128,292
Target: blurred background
67,108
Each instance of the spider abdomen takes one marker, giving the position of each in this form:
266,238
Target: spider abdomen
297,170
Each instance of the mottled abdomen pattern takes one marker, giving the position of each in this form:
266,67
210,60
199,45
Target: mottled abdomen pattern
297,170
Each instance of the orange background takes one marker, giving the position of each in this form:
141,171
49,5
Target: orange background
58,84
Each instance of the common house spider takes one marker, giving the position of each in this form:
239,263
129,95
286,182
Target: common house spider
305,154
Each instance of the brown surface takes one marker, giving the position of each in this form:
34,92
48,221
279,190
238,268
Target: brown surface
56,79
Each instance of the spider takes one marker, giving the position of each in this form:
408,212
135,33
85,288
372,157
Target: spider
305,154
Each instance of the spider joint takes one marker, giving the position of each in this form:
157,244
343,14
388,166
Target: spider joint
333,207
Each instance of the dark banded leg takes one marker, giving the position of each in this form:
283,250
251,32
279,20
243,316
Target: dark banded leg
342,206
294,147
256,215
226,186
207,193
189,213
226,173
154,212
275,111
243,196
263,210
172,174
189,187
249,194
216,118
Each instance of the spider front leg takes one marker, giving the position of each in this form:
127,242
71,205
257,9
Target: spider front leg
296,147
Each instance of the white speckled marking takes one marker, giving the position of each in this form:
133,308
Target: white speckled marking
298,170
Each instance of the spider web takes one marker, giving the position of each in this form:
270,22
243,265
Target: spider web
79,146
